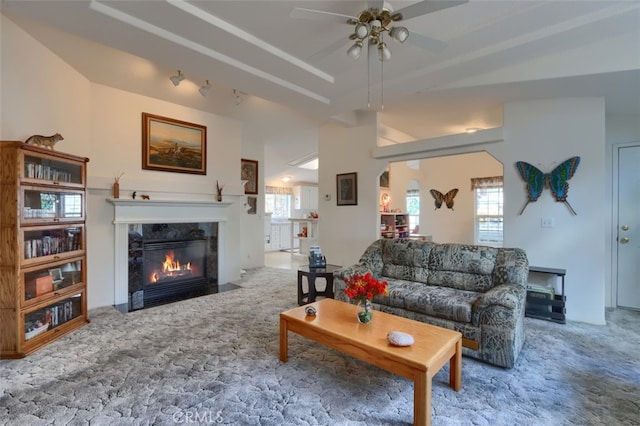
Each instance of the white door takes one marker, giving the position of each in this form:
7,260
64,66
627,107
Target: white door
628,243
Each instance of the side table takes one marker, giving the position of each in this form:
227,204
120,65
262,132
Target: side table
312,274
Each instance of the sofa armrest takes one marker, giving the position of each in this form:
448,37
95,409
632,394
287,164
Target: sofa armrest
370,261
509,296
349,271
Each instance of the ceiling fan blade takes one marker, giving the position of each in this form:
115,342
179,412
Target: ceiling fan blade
328,50
375,4
426,43
427,6
319,15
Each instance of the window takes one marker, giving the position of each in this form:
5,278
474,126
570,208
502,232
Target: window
413,208
488,210
277,200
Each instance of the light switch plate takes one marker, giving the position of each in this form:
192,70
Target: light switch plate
547,222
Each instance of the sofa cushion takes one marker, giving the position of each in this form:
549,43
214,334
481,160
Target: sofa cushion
443,302
463,267
406,259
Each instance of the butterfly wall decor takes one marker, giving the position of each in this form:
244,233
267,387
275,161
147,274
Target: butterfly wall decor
443,198
556,180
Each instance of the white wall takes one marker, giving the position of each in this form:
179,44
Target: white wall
543,133
345,231
42,94
444,174
252,225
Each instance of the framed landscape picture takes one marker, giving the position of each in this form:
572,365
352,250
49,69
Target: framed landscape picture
249,172
347,189
172,145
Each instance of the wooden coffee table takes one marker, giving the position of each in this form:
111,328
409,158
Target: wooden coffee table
335,325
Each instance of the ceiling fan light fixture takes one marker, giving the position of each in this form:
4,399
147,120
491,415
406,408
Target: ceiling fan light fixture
176,79
204,90
355,50
362,31
383,52
376,24
399,34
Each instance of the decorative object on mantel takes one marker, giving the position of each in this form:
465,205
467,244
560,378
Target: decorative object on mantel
249,172
446,198
44,141
116,186
173,145
362,289
133,195
145,197
556,181
219,191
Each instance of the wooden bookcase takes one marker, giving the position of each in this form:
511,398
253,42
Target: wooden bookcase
43,265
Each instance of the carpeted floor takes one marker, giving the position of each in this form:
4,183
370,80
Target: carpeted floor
214,360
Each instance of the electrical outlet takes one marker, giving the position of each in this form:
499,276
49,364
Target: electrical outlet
547,222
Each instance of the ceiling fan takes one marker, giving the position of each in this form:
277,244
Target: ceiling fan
372,23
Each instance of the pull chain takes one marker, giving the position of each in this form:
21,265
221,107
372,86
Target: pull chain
381,85
368,77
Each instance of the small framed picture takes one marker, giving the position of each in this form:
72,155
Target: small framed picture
384,179
56,277
253,205
347,189
249,172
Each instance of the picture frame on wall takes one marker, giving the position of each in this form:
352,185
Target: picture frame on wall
384,179
249,172
171,145
253,205
347,189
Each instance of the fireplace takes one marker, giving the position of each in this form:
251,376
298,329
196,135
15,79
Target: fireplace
170,262
155,219
174,268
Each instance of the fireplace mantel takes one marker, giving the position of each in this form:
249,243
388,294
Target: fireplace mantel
172,211
129,211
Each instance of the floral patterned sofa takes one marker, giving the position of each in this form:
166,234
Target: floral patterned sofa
476,290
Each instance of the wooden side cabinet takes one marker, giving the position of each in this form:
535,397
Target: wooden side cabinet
43,265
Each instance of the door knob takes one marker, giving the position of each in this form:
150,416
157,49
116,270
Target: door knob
624,227
624,240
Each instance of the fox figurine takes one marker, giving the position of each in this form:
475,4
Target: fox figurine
45,141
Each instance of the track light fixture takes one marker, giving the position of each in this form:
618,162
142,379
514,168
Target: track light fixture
176,79
204,90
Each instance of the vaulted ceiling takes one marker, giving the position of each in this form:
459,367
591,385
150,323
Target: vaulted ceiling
292,72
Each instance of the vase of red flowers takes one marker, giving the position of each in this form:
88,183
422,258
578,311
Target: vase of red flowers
362,288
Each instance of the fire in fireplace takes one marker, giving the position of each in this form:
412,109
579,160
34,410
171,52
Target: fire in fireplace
171,269
169,262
